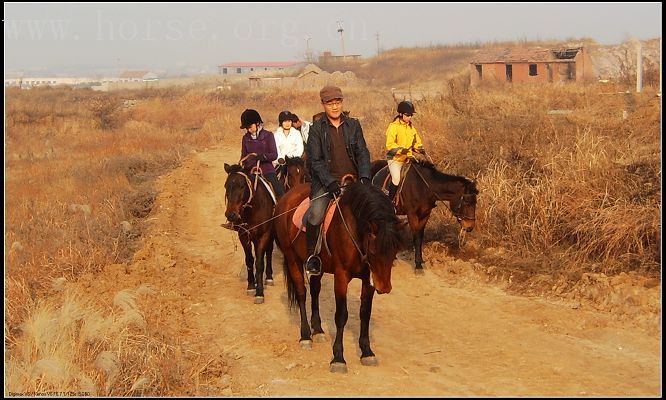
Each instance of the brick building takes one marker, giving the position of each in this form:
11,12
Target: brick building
538,64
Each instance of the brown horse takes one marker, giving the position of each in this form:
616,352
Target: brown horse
249,211
364,237
293,172
421,187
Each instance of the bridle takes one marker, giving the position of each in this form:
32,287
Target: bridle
287,186
249,186
456,210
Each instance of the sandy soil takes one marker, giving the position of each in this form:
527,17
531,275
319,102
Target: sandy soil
445,333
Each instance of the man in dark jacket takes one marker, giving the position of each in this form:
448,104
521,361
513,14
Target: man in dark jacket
260,144
336,147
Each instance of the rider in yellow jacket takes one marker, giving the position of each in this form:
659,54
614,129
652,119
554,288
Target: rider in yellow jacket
402,141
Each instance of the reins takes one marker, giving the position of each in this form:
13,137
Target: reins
247,230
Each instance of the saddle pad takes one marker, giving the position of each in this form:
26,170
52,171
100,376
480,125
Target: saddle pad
270,190
297,219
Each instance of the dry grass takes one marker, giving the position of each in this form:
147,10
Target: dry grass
68,344
79,177
586,185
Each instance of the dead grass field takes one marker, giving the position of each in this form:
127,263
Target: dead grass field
562,196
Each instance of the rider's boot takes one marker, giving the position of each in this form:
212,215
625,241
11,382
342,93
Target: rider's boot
313,263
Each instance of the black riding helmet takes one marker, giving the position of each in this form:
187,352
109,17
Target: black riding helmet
249,117
406,107
284,116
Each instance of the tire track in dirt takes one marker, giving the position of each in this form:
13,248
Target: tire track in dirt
431,338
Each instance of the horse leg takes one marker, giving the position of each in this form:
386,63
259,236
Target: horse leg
249,263
418,228
315,321
269,263
298,280
418,250
367,293
338,364
259,249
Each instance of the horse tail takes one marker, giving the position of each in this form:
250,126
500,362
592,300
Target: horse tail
292,301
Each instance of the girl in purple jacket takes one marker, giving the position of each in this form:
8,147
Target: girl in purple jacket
260,144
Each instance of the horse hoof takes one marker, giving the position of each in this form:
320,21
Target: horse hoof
270,282
419,271
339,367
369,361
319,338
306,344
250,292
259,300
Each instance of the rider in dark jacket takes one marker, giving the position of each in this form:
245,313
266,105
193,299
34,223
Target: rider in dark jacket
336,147
259,144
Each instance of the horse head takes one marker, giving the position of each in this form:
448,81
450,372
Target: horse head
465,207
381,232
296,171
459,191
238,192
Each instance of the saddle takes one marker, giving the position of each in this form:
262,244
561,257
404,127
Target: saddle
301,214
387,179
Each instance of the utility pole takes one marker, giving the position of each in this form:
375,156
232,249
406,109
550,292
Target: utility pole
342,39
377,36
639,67
308,54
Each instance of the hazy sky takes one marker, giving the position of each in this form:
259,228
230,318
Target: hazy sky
204,35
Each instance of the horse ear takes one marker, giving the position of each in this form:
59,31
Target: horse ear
286,158
227,167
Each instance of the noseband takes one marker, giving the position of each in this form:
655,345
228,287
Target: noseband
458,208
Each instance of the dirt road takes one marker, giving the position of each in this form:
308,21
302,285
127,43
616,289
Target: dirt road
432,337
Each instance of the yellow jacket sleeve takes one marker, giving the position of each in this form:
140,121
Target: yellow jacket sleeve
419,143
391,137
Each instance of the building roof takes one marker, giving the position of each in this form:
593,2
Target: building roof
133,74
310,69
521,54
262,64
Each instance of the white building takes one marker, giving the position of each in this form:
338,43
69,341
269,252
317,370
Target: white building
128,76
28,82
137,76
237,68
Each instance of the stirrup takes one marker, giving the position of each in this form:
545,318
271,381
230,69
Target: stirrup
313,259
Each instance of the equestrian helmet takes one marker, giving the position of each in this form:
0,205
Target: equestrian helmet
284,116
406,107
249,117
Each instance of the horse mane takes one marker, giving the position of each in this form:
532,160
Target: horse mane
369,204
294,161
470,185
